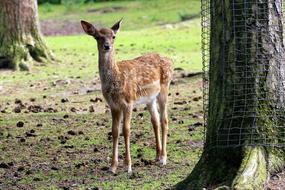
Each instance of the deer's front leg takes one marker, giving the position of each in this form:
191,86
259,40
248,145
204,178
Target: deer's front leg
126,133
116,117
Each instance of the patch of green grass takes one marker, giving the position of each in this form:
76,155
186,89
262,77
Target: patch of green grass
141,32
77,55
181,43
137,14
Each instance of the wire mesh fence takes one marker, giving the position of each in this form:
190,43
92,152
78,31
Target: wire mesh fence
205,24
252,74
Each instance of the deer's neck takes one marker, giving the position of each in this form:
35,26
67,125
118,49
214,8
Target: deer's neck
108,68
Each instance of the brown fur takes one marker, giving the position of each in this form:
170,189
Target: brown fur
130,75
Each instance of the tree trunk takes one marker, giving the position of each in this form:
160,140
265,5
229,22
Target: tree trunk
21,43
246,97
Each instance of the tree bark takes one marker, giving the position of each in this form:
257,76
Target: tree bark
246,97
21,43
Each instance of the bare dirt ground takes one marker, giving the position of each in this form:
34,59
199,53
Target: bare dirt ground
276,181
59,28
56,135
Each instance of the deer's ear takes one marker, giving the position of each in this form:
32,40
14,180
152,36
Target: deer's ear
88,28
116,27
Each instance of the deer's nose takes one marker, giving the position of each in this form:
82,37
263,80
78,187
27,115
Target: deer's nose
106,47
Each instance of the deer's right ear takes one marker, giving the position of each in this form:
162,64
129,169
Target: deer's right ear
88,28
116,27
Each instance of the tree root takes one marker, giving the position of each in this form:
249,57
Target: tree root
234,168
252,173
22,56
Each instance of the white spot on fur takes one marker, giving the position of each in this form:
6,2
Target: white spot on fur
146,99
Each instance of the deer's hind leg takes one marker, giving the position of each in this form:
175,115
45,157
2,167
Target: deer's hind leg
152,107
162,102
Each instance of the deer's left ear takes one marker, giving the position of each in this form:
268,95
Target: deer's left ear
116,27
89,28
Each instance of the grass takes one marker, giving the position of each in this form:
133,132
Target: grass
179,44
77,55
64,145
60,150
180,41
137,14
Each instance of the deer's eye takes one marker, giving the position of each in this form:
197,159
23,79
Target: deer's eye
114,37
97,37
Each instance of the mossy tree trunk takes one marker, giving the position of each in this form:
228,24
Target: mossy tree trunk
246,97
21,44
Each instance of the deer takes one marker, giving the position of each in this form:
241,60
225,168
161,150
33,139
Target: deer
126,84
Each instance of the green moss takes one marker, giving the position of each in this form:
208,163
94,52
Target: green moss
22,55
23,67
252,173
19,56
276,159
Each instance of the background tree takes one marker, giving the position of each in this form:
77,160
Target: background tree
20,38
246,97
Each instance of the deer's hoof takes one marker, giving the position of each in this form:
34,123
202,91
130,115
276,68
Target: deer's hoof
130,170
112,170
128,166
162,160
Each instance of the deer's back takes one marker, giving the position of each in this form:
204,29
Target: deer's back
147,68
143,76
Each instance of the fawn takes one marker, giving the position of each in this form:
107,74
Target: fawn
126,84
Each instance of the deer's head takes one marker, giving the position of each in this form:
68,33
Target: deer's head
105,37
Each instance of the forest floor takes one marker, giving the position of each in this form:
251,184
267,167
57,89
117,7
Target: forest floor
57,135
55,125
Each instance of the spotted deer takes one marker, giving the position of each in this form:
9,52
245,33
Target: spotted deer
125,84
